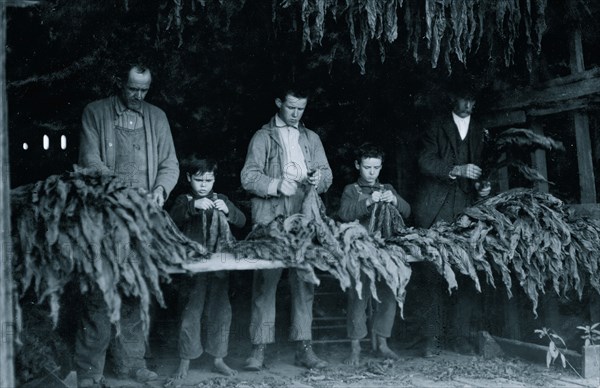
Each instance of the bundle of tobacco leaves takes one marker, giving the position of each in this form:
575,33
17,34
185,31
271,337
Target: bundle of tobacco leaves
386,220
89,229
532,236
345,250
521,234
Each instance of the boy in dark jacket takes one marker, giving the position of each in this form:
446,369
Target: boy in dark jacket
194,214
356,204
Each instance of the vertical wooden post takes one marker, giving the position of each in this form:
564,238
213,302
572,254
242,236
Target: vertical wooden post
7,372
512,318
539,159
587,182
503,180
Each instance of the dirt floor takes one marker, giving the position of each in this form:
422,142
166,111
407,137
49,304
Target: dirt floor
447,370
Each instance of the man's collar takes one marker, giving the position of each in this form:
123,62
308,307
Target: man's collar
280,123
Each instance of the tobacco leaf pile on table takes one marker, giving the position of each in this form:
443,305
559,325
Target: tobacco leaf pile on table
346,250
88,228
520,234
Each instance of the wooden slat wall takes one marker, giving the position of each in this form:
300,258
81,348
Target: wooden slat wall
7,375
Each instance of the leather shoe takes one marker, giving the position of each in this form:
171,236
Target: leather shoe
256,360
306,357
432,347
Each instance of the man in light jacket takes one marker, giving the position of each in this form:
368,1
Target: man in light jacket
285,160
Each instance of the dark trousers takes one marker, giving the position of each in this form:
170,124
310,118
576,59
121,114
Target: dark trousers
384,311
446,315
207,305
95,334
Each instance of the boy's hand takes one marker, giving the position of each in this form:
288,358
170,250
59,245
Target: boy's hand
376,196
287,188
389,197
314,177
221,206
204,204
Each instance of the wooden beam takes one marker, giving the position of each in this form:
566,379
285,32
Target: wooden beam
571,78
502,119
534,352
7,321
20,3
587,181
585,103
538,158
576,52
536,98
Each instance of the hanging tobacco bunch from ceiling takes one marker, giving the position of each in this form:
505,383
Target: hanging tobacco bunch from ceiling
451,29
503,151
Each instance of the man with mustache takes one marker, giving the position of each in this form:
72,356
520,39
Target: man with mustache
449,164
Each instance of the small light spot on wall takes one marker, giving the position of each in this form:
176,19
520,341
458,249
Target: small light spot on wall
46,142
63,142
25,146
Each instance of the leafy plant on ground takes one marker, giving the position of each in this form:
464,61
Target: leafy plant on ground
590,334
554,351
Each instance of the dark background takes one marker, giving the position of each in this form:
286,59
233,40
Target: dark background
213,76
215,80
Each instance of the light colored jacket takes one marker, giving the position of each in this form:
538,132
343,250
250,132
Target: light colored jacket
263,171
97,142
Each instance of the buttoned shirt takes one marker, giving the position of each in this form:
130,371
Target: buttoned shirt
294,164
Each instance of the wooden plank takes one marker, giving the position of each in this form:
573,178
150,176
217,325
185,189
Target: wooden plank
571,78
531,98
534,352
7,322
584,103
503,179
20,3
538,158
587,182
576,52
503,119
586,210
229,262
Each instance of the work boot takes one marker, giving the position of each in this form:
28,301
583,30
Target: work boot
257,358
306,357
